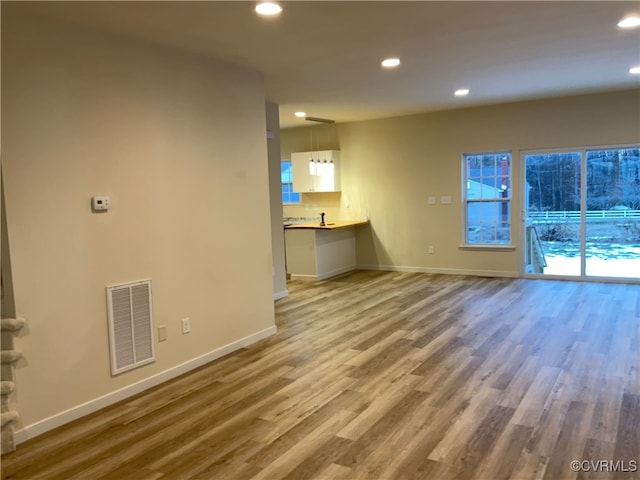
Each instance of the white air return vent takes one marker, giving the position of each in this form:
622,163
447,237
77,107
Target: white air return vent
130,325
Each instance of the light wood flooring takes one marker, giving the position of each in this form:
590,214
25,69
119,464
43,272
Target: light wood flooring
387,375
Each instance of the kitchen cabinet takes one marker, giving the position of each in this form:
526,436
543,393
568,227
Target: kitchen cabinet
323,176
317,252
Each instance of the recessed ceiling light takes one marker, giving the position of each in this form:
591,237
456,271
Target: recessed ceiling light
629,22
462,92
635,70
300,114
268,8
390,62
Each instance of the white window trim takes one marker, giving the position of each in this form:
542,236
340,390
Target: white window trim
463,190
487,246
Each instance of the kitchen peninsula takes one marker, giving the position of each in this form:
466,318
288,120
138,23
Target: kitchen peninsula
316,252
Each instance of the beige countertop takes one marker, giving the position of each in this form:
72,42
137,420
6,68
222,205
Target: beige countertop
332,225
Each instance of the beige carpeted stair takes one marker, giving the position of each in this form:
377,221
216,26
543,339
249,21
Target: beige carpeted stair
8,356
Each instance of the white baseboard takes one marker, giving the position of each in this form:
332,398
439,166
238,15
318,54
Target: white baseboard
445,271
38,428
294,276
279,295
325,275
337,271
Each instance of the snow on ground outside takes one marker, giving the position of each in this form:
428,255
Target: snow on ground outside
604,260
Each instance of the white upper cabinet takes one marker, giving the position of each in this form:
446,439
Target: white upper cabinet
317,171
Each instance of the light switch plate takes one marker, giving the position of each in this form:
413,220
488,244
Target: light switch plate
445,199
431,200
186,325
162,333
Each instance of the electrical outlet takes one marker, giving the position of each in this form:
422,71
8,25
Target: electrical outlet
162,333
186,325
431,250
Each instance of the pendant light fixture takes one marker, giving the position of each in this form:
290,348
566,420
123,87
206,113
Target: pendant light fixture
330,169
312,166
319,167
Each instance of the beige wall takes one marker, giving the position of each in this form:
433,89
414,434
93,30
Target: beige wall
275,190
391,166
178,143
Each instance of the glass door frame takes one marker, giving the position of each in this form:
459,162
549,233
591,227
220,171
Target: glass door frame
583,215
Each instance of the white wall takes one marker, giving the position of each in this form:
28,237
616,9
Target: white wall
178,143
391,166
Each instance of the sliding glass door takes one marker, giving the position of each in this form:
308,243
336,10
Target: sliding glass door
552,208
612,217
581,213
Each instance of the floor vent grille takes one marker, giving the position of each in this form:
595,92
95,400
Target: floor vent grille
130,325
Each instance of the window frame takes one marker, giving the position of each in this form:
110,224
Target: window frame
466,201
282,184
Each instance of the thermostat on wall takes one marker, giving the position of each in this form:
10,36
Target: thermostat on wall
100,203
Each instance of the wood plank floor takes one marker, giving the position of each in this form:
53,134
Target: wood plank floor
387,375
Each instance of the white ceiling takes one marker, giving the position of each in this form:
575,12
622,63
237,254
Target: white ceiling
324,57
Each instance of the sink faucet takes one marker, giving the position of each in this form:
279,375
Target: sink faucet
322,219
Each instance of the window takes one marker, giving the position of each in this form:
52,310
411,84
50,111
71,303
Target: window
286,177
487,198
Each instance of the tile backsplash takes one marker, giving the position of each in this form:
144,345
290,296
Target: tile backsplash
312,204
298,220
